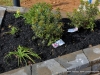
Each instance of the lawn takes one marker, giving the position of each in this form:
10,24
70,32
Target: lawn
7,2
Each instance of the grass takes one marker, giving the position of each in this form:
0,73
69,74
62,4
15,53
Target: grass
7,2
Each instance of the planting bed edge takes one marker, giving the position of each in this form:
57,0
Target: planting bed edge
82,62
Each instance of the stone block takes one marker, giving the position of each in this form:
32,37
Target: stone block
14,9
96,67
96,74
49,67
26,10
2,8
93,54
2,12
85,71
73,61
0,21
20,71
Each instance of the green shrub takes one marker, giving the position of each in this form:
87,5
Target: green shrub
86,15
45,24
22,53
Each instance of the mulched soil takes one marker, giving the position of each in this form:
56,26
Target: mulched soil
74,41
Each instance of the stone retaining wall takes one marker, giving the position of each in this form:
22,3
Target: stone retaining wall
82,62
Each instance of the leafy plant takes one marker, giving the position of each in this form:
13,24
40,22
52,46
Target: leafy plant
22,53
17,14
45,24
85,16
13,30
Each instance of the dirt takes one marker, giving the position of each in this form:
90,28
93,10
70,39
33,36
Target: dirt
65,5
73,41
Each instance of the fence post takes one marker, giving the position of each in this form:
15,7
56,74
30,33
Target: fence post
16,3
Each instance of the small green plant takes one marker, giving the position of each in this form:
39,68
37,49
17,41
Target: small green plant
86,15
13,30
17,14
45,24
22,53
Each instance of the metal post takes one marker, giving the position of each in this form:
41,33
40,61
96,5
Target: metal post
16,3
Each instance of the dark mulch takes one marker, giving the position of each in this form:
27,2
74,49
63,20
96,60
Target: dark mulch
74,41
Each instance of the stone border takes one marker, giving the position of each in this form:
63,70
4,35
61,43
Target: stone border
82,62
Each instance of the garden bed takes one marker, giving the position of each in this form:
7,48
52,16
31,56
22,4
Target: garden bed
73,41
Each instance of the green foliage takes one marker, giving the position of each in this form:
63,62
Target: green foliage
22,53
13,30
45,24
17,14
86,15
